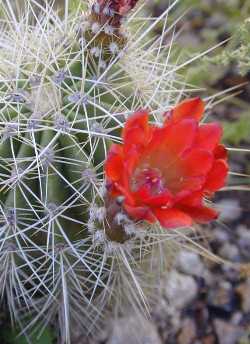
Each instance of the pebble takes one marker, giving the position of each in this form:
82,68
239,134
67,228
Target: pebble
216,21
180,289
243,290
244,241
188,332
222,299
190,263
133,330
220,235
229,209
227,333
230,252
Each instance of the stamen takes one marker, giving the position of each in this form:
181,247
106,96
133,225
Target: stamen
149,177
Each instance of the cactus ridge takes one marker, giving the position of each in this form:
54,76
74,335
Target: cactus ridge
67,85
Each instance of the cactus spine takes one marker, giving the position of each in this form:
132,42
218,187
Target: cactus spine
67,86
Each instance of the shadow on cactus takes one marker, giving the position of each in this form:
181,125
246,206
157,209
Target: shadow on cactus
72,249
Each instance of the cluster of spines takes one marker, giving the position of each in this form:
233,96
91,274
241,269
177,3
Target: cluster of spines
56,251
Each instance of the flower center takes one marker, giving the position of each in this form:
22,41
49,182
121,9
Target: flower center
151,178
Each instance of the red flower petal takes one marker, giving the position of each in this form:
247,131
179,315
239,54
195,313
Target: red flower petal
132,158
217,176
114,163
194,200
137,130
181,184
143,194
200,214
139,213
169,142
191,108
220,152
172,218
197,162
208,136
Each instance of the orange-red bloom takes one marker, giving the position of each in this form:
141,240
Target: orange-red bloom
164,173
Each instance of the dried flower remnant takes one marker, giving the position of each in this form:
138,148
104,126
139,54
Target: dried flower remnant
112,11
165,173
105,24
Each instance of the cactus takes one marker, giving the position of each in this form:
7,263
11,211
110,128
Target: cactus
67,86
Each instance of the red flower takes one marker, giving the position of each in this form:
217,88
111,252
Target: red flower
164,173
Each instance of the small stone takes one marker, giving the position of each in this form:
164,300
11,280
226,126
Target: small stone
230,252
227,333
243,290
243,232
209,339
180,289
188,332
237,318
222,300
132,330
220,235
190,263
244,241
229,209
216,21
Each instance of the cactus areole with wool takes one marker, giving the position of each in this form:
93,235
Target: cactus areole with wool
166,173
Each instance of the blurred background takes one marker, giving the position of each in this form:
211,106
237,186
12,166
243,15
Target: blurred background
210,303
